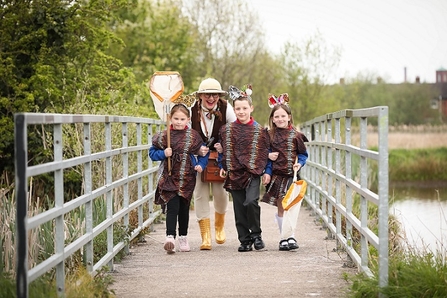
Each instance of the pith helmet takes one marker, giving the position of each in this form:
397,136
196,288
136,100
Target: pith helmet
210,85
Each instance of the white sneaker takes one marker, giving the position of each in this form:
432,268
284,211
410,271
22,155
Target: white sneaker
183,243
169,245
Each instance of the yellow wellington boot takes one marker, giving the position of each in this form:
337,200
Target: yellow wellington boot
219,220
205,232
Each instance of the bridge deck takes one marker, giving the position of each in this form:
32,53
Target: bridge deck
315,269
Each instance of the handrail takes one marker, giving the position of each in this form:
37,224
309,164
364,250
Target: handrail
116,178
338,174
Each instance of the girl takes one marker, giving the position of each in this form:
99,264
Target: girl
288,153
175,187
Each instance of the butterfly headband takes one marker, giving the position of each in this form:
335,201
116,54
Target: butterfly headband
234,93
281,99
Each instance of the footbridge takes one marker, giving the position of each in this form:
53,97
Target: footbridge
101,185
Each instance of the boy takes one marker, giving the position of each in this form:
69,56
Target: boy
243,159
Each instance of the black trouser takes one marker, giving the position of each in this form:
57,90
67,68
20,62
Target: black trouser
247,212
177,208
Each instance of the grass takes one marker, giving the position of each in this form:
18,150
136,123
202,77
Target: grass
414,273
79,284
419,165
409,137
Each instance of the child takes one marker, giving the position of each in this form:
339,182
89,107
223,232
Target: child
175,187
289,153
243,158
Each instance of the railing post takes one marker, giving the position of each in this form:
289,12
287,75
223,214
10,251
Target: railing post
140,180
348,176
109,196
329,179
59,203
21,180
383,196
151,185
124,132
337,181
363,184
322,176
88,190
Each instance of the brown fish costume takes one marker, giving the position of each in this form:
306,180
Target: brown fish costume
245,153
288,142
183,144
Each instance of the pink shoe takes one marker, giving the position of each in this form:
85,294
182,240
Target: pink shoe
169,245
183,243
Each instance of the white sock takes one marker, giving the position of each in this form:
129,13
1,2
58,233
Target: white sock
279,222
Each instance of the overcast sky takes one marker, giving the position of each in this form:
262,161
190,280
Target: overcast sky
377,36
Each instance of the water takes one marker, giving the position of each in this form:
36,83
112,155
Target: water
423,214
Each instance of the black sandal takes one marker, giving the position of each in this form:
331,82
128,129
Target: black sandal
292,243
284,245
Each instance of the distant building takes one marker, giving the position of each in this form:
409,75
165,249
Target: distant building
441,86
441,75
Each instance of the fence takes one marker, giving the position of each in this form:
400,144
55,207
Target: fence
341,172
111,154
118,181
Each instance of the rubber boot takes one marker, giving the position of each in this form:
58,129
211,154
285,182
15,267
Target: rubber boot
219,220
205,232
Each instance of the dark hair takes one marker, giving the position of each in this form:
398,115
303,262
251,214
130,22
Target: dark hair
180,108
275,108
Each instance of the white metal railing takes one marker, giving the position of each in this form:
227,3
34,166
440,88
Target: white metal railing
338,173
114,178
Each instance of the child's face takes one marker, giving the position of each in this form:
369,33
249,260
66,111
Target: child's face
243,110
281,118
179,120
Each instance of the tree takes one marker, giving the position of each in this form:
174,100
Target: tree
411,104
52,55
230,40
305,68
157,37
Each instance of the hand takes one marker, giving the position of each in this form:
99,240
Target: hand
203,150
168,152
273,155
222,173
266,179
198,168
218,147
296,167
